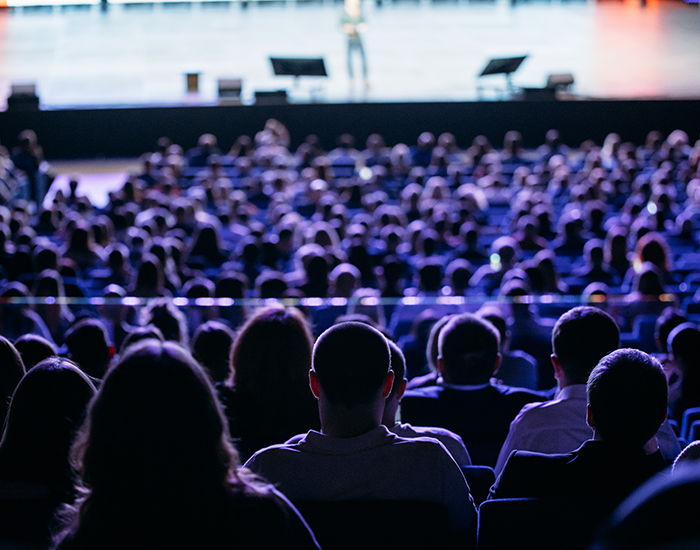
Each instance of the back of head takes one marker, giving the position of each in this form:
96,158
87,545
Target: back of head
89,347
669,319
684,344
34,348
211,346
272,354
468,347
168,318
351,361
155,429
47,408
627,395
581,337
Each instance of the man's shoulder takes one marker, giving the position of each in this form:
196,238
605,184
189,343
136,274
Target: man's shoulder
515,394
426,392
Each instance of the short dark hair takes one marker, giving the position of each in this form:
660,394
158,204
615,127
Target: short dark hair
351,361
628,396
469,347
581,337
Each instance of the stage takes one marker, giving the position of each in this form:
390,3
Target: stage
417,51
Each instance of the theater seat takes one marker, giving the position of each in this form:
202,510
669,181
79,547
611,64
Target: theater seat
540,523
480,479
689,416
377,524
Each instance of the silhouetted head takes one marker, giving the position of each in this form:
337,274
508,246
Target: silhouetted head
627,397
469,350
351,361
580,339
211,346
47,409
34,348
89,346
139,334
272,352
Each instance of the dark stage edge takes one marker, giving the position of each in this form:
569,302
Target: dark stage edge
131,131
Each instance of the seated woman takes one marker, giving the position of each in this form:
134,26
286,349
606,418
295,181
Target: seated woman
157,469
268,399
35,474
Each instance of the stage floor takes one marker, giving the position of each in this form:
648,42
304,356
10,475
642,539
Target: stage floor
416,50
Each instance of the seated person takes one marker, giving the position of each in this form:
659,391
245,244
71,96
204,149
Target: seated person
465,400
452,442
354,456
581,338
627,399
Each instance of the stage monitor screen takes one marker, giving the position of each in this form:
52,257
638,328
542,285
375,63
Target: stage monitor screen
292,66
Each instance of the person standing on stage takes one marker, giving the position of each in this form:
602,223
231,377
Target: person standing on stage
353,24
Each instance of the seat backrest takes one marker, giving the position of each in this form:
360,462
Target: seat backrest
540,523
689,416
380,524
480,479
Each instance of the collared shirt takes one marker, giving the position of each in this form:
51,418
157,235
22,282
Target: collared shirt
560,426
551,427
374,465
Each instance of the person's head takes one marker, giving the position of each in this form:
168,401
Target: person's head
684,345
627,397
468,349
138,335
581,337
669,319
211,346
431,351
495,316
47,408
351,365
649,280
89,346
272,353
653,248
34,348
155,430
168,318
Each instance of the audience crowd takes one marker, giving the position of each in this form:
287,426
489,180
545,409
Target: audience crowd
146,354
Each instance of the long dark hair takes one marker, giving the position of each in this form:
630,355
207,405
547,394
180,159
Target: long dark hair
271,359
155,461
47,409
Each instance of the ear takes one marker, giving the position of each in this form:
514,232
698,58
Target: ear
497,364
556,365
388,383
313,383
440,365
589,417
401,389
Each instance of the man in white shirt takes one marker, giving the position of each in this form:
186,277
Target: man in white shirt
581,337
355,456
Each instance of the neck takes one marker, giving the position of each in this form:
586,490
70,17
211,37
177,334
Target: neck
344,422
